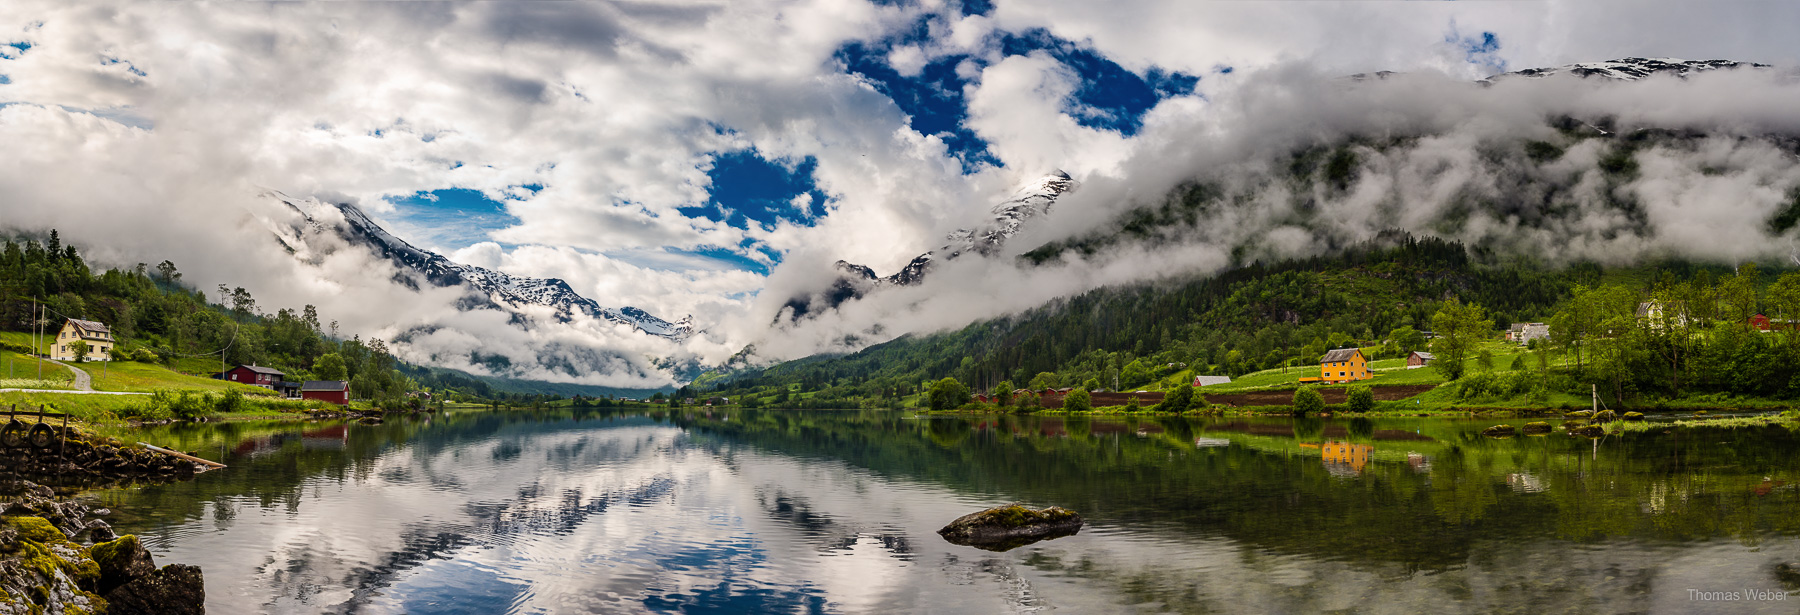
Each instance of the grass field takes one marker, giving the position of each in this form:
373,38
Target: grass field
24,339
142,377
1387,371
86,408
16,366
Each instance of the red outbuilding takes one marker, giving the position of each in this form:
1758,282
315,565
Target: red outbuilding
334,391
264,377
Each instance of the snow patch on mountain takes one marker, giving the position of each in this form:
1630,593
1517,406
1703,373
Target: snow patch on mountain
1629,69
351,224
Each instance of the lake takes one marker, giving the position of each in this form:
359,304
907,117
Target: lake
756,511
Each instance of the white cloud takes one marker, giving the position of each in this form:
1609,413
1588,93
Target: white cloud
617,109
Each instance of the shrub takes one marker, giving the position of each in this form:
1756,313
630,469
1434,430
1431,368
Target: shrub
1178,400
163,405
1132,405
1307,400
231,401
1078,400
145,355
1027,403
1360,399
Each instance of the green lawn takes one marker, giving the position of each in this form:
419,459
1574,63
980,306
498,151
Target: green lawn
20,368
144,377
1387,371
24,339
86,408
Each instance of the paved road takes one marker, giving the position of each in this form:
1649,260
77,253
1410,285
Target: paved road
83,382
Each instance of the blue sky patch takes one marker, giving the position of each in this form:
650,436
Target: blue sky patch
452,218
1110,97
933,100
725,256
5,80
1479,49
747,188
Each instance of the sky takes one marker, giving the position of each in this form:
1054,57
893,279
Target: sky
697,158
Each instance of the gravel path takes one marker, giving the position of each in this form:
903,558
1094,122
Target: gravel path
83,382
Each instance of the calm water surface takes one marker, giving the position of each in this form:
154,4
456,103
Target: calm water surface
826,512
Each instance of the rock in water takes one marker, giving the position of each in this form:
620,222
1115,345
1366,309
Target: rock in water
176,589
1011,526
122,561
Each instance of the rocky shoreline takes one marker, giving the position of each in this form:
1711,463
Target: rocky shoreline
43,569
57,556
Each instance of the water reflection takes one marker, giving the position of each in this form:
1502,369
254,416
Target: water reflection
758,511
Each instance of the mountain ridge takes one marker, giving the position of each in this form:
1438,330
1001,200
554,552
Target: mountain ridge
500,288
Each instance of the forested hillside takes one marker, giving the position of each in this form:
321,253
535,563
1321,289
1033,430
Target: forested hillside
1264,316
159,318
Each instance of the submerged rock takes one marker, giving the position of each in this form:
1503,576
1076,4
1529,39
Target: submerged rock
1537,427
1590,431
1499,431
1011,526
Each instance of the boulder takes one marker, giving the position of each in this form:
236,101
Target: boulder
121,561
176,589
1634,416
1605,415
1011,526
1578,414
1590,431
1537,427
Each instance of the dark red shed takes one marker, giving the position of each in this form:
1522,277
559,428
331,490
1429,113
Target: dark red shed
265,377
334,391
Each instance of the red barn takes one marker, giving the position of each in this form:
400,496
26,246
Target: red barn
334,391
264,377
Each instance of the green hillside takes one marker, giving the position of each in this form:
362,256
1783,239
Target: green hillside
1266,325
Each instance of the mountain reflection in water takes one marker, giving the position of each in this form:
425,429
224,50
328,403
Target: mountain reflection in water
748,511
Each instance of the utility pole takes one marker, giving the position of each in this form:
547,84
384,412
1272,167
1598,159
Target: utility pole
39,321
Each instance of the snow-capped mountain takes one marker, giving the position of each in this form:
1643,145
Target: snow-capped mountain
1629,69
1032,200
501,289
1029,201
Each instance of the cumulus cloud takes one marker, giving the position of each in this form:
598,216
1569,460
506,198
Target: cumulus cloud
1712,160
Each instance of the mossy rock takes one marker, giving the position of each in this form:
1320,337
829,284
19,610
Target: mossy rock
1634,416
1578,414
36,529
1590,431
1499,431
1701,413
120,561
1007,527
1537,427
1605,415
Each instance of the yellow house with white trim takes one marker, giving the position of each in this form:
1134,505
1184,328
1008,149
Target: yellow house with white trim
99,340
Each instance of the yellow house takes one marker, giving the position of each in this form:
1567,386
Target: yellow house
1342,365
99,340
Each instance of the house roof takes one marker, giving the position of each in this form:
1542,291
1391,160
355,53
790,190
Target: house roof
1424,355
1211,380
261,370
1341,354
89,325
324,385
